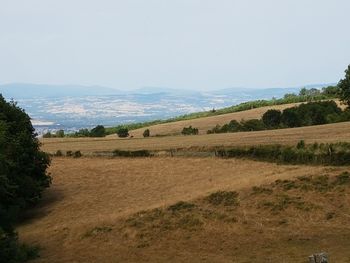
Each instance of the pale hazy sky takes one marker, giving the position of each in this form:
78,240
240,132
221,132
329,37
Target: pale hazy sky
194,44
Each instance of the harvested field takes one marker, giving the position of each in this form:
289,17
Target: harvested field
321,133
90,213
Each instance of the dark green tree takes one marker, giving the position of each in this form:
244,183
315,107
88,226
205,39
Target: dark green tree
189,131
146,133
123,132
290,118
23,175
344,87
98,131
60,133
272,118
253,125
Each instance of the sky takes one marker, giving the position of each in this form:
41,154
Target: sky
184,44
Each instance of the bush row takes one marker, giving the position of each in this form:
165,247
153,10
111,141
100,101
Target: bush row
312,113
326,154
138,153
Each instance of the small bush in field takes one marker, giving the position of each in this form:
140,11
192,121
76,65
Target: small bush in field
146,133
189,131
59,153
77,154
69,153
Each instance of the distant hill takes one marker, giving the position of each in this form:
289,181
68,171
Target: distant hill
29,91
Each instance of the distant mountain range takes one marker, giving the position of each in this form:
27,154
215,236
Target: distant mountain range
72,107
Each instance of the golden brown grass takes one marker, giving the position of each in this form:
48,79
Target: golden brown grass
85,215
322,133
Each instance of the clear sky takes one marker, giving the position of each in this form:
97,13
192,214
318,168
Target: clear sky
192,44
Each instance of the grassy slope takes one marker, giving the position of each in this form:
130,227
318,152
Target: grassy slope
92,212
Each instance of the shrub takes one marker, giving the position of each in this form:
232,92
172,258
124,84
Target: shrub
139,153
69,153
189,131
253,125
272,118
123,132
77,154
98,131
328,154
146,133
301,144
226,198
58,153
181,206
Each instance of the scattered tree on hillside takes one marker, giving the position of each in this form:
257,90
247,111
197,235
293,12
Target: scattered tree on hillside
123,132
344,87
146,133
189,131
98,131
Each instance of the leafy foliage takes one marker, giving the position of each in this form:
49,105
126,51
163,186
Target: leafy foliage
344,87
326,154
272,118
23,175
98,131
146,133
306,114
189,131
123,132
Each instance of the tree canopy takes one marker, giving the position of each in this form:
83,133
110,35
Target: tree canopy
23,175
344,87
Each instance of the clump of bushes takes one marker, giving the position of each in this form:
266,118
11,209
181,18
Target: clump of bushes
312,113
58,134
189,131
138,153
123,132
181,206
328,154
226,198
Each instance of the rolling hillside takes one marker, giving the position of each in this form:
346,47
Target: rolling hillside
207,123
193,209
129,210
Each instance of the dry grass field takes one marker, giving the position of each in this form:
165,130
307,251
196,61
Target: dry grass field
176,209
322,133
92,212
